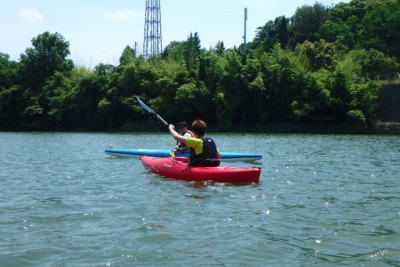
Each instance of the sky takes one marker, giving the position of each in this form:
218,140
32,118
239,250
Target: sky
99,30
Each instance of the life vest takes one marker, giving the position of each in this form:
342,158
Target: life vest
208,158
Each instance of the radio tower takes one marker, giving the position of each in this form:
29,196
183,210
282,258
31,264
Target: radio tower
244,36
152,45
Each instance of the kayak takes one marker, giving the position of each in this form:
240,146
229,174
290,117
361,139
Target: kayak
163,153
177,168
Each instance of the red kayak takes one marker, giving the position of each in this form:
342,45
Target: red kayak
177,168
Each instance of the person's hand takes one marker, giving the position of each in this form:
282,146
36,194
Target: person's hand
171,126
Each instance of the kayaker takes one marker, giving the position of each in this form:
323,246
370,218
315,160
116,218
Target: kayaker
203,151
182,130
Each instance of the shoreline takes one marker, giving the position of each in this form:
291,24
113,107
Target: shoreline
384,128
333,128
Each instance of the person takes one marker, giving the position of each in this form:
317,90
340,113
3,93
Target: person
182,130
203,150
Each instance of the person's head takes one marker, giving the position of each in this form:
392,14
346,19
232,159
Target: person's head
182,126
199,128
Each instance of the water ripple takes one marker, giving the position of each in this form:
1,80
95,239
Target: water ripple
324,200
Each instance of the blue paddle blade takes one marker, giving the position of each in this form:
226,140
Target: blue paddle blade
145,107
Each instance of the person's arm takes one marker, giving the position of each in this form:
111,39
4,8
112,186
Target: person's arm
176,135
184,146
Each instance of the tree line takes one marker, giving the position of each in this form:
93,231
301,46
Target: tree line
322,65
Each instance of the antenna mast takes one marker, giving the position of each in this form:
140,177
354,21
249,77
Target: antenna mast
244,36
152,45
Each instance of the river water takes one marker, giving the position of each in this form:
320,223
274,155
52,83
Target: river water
323,200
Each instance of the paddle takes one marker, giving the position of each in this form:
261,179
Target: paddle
145,107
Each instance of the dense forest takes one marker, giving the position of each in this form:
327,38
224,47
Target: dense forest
323,65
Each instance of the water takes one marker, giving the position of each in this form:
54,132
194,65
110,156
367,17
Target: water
323,200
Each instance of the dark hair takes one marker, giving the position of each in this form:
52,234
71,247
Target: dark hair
199,127
182,124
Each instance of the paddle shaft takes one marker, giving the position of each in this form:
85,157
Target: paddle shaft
148,109
161,119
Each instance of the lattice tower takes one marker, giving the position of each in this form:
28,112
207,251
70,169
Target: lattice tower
152,45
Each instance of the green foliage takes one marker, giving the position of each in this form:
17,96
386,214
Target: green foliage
322,65
364,98
52,98
373,63
318,55
47,56
230,86
361,24
285,79
314,102
339,33
306,22
12,103
8,71
192,53
219,48
273,32
175,51
187,98
128,56
356,117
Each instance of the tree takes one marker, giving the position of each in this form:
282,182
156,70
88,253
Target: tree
364,98
282,36
192,52
340,12
271,33
52,100
380,29
48,55
12,104
128,56
265,36
229,90
8,71
393,34
193,100
338,85
373,63
306,22
318,55
219,48
175,51
285,78
85,102
339,33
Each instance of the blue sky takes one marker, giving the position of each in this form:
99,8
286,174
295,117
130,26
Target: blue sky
99,30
